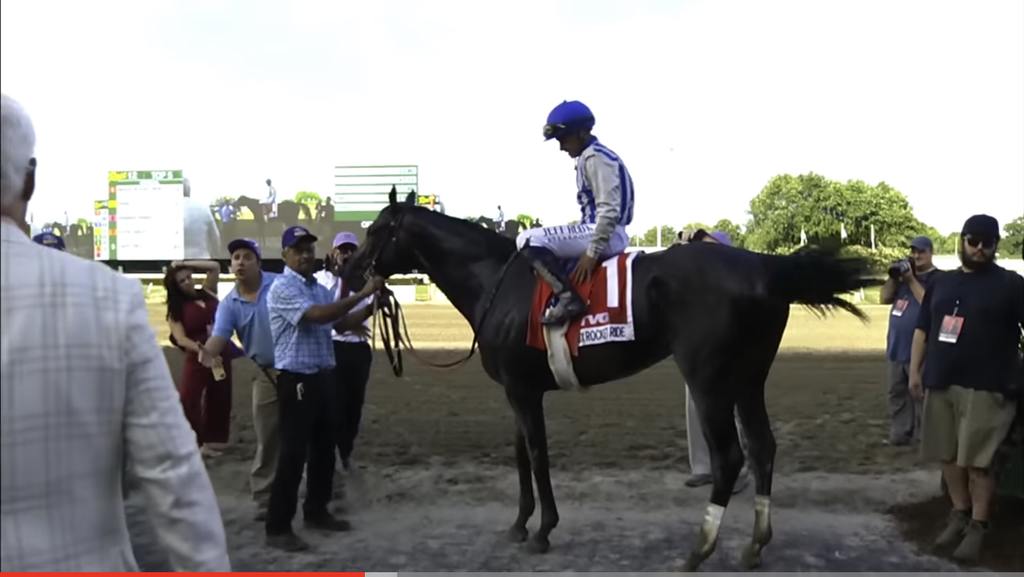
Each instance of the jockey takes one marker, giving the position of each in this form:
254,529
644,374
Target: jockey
605,195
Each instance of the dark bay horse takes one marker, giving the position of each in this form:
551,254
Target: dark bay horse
718,311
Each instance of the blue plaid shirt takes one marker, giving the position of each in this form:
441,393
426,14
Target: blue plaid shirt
299,346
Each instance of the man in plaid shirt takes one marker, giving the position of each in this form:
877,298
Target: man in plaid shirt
87,404
302,313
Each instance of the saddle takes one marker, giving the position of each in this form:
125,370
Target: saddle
608,319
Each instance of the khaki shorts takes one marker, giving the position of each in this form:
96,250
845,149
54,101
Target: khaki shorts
965,426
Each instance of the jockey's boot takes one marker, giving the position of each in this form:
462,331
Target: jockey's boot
569,304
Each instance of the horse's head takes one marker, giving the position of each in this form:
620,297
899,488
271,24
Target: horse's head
387,249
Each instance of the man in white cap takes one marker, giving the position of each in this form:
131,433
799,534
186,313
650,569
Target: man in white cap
352,351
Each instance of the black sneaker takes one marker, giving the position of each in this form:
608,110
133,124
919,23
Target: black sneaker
327,522
289,542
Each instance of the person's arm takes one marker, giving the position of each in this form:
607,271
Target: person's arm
331,313
918,348
916,288
223,328
161,454
353,320
178,331
603,176
292,304
1019,291
212,241
210,267
888,292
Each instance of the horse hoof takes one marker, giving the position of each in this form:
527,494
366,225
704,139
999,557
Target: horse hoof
692,562
538,545
751,556
517,534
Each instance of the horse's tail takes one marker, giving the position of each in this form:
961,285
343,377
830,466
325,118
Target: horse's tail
817,279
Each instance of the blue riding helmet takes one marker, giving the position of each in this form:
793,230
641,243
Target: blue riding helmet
567,117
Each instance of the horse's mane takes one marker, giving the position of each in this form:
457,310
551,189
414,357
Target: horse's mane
484,238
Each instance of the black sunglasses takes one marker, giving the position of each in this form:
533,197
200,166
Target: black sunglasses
553,130
977,241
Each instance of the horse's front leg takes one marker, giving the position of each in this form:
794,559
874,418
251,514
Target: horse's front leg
518,532
529,407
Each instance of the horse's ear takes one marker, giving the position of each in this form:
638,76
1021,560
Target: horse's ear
393,196
410,198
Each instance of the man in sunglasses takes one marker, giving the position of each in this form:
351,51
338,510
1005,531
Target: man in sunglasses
964,363
605,195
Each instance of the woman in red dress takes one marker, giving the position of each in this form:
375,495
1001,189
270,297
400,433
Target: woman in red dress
190,313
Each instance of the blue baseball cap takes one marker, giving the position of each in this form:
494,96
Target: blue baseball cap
922,243
296,234
722,237
345,238
246,243
49,239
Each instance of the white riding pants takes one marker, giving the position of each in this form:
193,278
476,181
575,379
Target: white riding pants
571,240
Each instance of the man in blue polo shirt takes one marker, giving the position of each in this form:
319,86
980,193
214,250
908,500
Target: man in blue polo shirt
244,312
302,313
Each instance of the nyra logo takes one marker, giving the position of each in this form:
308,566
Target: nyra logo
595,319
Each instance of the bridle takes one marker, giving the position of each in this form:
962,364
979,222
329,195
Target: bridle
390,319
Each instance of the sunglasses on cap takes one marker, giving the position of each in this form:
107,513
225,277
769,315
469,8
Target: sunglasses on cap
977,241
552,130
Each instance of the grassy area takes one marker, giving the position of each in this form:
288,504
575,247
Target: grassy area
440,326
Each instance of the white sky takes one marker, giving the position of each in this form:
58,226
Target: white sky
704,100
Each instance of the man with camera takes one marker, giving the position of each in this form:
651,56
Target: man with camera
908,281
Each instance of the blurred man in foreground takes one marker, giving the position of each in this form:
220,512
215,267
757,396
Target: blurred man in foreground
86,409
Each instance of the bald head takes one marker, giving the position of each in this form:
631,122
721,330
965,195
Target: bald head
17,172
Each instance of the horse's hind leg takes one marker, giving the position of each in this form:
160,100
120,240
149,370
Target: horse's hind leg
761,446
529,408
518,532
718,425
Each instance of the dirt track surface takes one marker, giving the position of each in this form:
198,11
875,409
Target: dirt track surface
436,485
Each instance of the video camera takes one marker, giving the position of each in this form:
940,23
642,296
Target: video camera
900,268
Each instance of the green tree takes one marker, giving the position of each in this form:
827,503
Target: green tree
307,197
946,243
525,220
650,237
82,223
823,209
1013,238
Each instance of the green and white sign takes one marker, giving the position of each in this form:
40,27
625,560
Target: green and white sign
360,192
144,213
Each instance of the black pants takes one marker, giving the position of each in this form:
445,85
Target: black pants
353,371
307,426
